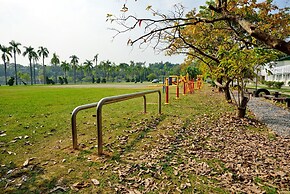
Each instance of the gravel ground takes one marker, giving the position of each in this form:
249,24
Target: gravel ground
276,118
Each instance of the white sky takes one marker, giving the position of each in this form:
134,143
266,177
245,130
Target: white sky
79,27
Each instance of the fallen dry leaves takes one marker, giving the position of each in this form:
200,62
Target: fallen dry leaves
208,153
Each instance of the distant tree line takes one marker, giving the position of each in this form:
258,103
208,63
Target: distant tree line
73,71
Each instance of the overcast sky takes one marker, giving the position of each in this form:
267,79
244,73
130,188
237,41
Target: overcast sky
79,27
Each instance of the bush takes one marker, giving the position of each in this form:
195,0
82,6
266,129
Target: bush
289,83
65,80
263,82
137,80
49,81
98,80
278,84
11,81
60,80
104,80
269,83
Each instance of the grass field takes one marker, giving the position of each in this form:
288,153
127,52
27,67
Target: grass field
143,152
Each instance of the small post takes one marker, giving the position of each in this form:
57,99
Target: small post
184,88
177,88
144,100
74,131
166,92
159,102
99,130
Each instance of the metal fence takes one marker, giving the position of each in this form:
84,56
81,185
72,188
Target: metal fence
99,105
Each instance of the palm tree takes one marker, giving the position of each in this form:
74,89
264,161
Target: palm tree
65,67
55,61
29,51
35,59
74,61
80,70
16,50
88,68
42,51
96,59
5,57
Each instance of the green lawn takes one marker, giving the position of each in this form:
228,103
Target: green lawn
148,153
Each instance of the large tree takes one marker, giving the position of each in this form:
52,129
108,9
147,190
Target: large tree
216,28
43,52
6,54
74,61
29,51
96,59
65,67
35,58
14,45
55,61
88,66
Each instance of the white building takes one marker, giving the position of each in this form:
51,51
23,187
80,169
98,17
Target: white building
277,70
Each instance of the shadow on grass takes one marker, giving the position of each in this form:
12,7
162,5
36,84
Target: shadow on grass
27,180
141,135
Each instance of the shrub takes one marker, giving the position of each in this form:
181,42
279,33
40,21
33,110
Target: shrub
289,83
65,80
11,81
60,80
49,81
104,80
278,84
269,83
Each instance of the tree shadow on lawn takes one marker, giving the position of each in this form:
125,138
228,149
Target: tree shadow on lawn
27,179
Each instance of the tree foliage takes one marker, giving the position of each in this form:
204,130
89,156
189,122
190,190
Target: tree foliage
255,23
229,37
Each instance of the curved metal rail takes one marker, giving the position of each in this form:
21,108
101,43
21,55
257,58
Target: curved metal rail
99,105
74,121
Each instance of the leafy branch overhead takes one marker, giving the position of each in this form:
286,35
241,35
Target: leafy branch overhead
262,23
229,38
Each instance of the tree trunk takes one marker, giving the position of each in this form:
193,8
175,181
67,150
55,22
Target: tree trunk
15,69
34,78
227,94
220,81
44,76
74,74
242,112
243,107
5,72
31,76
226,89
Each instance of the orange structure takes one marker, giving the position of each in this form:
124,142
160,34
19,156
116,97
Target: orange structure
199,81
166,91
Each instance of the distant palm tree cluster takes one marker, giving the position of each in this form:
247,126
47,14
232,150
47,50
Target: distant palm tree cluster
74,71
